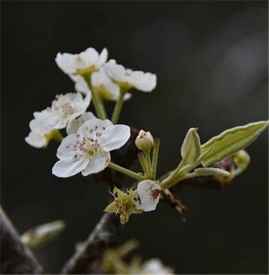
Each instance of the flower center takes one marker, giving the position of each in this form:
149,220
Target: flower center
87,146
67,109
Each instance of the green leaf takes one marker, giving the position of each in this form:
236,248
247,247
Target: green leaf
231,141
215,172
190,149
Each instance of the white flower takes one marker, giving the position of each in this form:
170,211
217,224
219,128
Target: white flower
88,151
37,140
63,110
41,128
155,267
106,88
149,193
87,61
127,78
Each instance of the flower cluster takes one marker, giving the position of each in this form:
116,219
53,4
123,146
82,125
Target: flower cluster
59,115
108,79
145,198
87,138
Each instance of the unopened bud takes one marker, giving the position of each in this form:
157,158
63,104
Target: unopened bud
144,141
241,158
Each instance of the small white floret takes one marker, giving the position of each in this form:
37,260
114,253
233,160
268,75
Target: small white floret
149,195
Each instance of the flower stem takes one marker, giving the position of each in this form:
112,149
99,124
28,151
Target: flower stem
118,108
97,101
125,171
142,162
155,157
145,162
172,180
149,164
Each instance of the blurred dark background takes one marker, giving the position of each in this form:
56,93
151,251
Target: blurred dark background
211,62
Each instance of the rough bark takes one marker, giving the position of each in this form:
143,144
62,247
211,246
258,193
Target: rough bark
15,257
88,254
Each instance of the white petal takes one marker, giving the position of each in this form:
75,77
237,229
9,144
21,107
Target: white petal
81,85
36,140
66,62
69,167
81,104
44,122
74,124
89,57
102,58
115,71
43,114
105,86
94,127
149,195
145,82
97,163
66,148
114,137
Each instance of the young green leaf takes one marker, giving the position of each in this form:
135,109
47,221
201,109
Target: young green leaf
190,149
231,141
211,172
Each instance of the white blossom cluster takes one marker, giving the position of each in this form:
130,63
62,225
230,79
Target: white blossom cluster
89,140
108,78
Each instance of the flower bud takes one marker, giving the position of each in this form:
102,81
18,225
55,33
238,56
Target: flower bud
144,141
241,159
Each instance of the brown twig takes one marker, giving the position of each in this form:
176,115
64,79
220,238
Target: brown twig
173,201
15,257
89,253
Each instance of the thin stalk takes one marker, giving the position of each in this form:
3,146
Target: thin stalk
155,157
174,179
97,101
142,162
179,174
169,181
118,108
149,164
125,171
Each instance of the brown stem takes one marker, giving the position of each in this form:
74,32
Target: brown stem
173,201
15,257
88,255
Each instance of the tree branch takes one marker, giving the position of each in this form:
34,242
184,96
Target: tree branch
88,255
15,257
